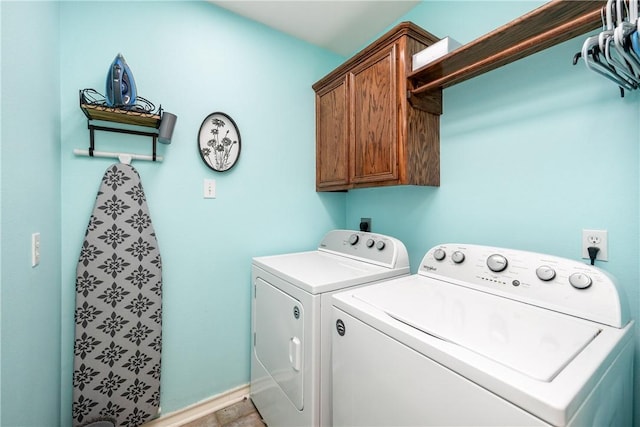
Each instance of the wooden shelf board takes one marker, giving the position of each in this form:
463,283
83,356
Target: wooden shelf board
546,26
97,112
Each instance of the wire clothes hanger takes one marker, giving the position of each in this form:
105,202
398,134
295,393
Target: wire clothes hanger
614,53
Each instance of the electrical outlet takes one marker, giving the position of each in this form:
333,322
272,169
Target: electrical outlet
597,238
365,224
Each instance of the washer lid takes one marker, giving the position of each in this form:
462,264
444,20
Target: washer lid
318,271
536,342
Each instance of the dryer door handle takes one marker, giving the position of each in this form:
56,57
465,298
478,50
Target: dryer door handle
295,350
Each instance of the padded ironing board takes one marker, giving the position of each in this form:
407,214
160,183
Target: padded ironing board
118,314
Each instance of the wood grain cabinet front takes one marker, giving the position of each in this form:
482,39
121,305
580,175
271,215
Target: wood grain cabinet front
367,133
332,160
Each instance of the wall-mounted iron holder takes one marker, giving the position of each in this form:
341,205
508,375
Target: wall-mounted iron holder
93,106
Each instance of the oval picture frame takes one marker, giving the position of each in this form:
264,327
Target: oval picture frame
219,142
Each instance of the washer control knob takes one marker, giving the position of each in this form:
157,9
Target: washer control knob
580,280
370,243
439,254
380,245
353,239
545,273
497,263
457,257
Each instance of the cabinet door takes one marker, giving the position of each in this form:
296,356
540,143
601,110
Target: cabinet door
374,118
332,146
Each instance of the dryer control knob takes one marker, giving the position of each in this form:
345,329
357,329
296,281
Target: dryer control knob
457,257
353,239
439,254
580,280
497,263
380,245
370,243
545,273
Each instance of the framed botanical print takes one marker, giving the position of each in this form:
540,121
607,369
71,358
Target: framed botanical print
219,142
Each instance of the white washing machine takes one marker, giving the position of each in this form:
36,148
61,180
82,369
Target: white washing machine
291,326
484,336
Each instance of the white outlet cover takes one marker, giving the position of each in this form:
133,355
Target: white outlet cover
587,240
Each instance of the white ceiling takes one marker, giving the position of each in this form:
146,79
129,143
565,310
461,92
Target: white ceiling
339,26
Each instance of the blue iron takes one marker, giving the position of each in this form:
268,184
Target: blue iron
121,88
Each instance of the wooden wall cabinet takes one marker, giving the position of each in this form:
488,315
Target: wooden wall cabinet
367,133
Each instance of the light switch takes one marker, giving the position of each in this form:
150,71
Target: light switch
209,188
35,249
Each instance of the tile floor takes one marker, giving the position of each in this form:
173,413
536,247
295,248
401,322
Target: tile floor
240,414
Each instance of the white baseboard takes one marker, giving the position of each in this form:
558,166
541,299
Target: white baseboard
200,409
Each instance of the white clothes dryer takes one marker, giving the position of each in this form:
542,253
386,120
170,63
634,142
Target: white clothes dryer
291,325
484,336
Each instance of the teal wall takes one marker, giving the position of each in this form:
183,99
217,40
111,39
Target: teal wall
531,154
195,58
30,200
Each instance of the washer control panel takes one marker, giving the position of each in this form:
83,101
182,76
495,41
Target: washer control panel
375,248
555,283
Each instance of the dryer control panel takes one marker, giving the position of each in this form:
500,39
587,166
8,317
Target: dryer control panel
547,281
377,249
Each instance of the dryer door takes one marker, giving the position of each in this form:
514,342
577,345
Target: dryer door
279,339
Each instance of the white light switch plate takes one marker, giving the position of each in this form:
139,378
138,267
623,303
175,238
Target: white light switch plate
209,188
35,249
